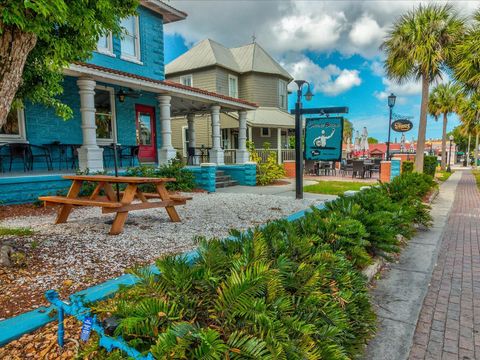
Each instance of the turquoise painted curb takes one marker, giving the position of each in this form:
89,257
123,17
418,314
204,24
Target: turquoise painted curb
17,326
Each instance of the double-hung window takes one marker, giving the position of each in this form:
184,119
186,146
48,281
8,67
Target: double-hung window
105,114
14,129
233,86
282,94
130,41
186,80
105,44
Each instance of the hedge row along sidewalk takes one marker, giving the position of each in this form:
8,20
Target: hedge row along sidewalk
286,290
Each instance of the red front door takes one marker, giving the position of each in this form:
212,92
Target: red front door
146,133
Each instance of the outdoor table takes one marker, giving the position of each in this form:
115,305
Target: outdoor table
111,202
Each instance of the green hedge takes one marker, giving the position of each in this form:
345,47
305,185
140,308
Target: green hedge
407,167
430,164
288,290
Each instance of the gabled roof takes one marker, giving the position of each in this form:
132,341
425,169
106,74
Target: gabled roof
242,59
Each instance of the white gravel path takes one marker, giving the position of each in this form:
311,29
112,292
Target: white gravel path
82,251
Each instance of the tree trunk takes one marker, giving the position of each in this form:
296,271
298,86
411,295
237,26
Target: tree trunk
15,45
475,153
444,142
422,127
468,148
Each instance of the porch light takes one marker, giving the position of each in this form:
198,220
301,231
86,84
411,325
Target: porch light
308,94
121,95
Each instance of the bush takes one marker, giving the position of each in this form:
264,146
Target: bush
288,290
185,180
407,167
430,165
268,171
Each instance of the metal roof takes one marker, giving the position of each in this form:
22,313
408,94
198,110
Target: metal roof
248,58
270,117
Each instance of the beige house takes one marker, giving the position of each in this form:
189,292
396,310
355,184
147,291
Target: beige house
247,72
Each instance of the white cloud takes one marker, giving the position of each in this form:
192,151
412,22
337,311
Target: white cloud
366,32
329,80
402,91
376,68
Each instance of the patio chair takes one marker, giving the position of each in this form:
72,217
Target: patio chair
129,153
346,167
358,168
39,152
108,154
19,151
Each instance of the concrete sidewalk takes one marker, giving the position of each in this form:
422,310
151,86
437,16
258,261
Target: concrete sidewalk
398,297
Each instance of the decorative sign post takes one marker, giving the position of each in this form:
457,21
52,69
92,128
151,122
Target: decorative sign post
323,139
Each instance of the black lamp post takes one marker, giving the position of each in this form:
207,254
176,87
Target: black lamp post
298,138
391,104
449,169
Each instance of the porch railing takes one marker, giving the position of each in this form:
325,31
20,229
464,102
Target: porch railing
229,156
288,154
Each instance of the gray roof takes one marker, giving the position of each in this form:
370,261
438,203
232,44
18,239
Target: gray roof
251,57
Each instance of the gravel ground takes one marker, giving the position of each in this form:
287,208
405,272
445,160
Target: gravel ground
69,257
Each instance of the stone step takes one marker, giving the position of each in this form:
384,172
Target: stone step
220,173
223,178
223,184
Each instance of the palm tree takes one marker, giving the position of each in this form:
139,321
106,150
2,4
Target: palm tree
469,112
443,100
417,48
465,64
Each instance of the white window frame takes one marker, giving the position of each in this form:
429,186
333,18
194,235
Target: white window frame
109,49
269,134
138,57
185,143
230,76
188,76
114,117
282,86
22,136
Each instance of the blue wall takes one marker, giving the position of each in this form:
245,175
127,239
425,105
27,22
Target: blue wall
151,49
20,190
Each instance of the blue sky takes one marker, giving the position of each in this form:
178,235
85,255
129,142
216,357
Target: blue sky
332,44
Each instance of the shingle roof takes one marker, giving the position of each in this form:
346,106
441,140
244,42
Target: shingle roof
251,57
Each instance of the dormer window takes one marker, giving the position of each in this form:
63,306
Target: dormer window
105,44
186,80
130,41
282,94
233,86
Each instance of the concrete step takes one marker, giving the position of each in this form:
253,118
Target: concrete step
223,184
220,173
223,178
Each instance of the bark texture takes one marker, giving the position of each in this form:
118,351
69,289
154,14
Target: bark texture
444,142
15,45
475,153
422,127
468,149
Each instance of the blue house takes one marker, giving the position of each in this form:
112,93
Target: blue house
120,96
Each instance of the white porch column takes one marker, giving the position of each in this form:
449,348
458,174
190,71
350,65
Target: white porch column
166,152
250,133
279,145
90,156
243,155
216,153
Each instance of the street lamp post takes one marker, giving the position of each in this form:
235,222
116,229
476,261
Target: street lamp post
298,138
391,104
449,169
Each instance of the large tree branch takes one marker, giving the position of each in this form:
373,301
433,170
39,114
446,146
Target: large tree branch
15,45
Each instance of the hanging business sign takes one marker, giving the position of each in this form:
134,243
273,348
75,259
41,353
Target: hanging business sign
323,138
402,125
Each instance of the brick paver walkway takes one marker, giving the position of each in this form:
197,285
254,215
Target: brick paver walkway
449,322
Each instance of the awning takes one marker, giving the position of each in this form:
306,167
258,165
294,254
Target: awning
270,117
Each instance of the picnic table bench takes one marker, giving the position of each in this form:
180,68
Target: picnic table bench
112,202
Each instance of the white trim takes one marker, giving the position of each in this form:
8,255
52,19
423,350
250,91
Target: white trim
137,58
230,76
111,90
140,84
22,136
282,84
187,76
109,49
269,132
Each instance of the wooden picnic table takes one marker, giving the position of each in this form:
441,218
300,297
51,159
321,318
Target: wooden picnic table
109,202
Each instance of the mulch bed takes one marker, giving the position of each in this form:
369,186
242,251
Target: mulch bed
8,211
42,344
